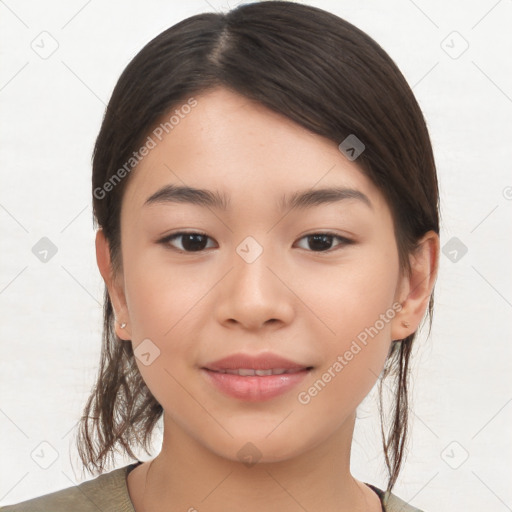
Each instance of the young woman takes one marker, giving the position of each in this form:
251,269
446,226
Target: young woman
267,203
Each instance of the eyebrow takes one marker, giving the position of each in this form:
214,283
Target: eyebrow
302,199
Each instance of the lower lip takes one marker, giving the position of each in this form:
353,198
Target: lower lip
254,388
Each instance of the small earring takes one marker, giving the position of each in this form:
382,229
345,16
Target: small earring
122,325
405,324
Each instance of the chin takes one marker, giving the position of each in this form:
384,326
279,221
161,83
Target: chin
258,447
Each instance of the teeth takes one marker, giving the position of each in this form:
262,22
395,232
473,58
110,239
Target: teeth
264,372
245,372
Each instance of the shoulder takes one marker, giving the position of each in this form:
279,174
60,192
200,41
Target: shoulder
392,503
105,492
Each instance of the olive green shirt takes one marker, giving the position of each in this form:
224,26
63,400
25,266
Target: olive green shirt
109,493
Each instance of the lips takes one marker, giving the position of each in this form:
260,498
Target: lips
254,378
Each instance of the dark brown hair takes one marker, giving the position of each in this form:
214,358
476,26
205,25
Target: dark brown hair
317,70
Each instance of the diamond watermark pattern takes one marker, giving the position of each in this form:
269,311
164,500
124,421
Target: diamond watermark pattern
44,249
249,454
146,352
44,454
454,45
249,249
45,45
455,455
351,147
454,249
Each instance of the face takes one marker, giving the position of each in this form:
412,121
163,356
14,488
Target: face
317,282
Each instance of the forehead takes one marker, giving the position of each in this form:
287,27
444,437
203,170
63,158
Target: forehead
234,145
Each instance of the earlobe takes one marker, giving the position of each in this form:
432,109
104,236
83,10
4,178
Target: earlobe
115,290
417,286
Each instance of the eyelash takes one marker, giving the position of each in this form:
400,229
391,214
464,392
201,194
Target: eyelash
165,241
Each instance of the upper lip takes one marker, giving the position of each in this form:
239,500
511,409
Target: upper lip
264,361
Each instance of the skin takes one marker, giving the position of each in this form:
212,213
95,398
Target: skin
303,304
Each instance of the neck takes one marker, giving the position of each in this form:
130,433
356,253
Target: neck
186,475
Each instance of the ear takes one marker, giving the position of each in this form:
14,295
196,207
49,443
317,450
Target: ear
114,285
416,287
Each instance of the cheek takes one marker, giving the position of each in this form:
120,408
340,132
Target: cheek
161,313
164,305
352,363
355,303
351,296
162,299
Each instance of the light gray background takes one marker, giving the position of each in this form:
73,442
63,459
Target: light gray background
51,110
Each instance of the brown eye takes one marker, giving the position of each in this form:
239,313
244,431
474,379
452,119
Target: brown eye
323,242
190,241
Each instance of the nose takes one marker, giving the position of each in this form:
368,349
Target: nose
255,293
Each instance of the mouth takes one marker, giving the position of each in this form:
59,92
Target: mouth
254,377
255,385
